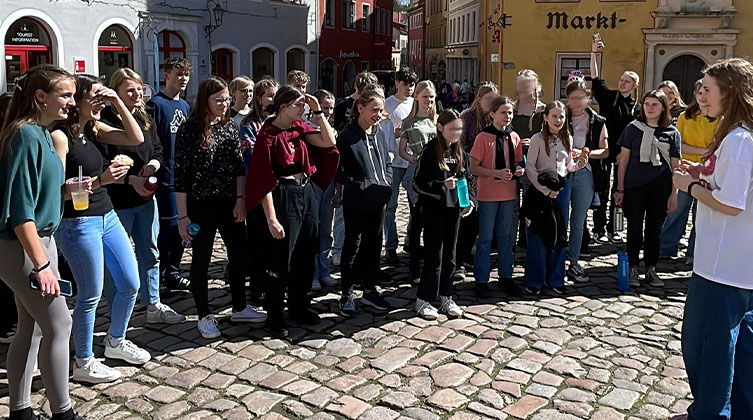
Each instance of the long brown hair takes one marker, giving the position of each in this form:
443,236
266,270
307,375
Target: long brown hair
734,76
666,117
200,115
72,125
447,116
121,75
564,133
420,87
257,114
694,108
23,107
481,91
673,87
285,96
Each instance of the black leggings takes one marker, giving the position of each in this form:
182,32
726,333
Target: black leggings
290,260
440,238
360,255
211,216
647,202
415,226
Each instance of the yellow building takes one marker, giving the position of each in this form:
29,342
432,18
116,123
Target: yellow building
658,39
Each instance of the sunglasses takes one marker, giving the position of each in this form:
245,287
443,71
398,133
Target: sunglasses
221,100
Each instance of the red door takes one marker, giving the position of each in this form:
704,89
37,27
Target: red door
23,58
222,62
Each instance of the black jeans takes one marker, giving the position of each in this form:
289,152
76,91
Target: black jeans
440,238
606,201
213,215
361,247
415,226
467,238
290,260
523,184
8,314
649,203
258,236
169,243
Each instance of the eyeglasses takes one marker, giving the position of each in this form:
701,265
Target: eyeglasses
221,100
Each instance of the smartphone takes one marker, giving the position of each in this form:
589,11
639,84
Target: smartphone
66,288
596,37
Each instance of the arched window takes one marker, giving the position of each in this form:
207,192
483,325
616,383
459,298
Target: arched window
171,44
264,63
296,60
115,51
329,75
222,64
27,43
349,77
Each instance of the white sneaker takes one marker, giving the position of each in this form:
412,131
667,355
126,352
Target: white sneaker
315,285
127,351
250,314
95,372
449,307
163,314
425,310
328,281
208,327
336,259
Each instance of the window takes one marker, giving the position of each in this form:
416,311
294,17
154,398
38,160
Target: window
222,64
377,22
263,63
385,20
567,63
352,22
349,14
329,13
171,44
365,15
296,60
115,50
473,27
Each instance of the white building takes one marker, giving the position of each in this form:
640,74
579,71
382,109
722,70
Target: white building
463,22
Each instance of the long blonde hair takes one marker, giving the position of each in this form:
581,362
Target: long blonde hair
257,114
23,107
734,76
530,75
673,87
481,91
122,74
420,87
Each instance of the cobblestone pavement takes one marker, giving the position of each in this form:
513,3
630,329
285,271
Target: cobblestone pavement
594,353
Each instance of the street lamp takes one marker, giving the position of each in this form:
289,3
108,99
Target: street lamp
216,12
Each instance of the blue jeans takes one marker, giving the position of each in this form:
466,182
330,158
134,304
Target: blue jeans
675,224
495,219
390,226
717,347
547,265
326,213
91,244
338,232
581,195
142,225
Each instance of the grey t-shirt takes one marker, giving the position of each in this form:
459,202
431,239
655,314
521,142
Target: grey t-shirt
418,131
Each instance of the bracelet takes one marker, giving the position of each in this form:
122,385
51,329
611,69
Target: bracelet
690,187
240,196
42,268
127,180
184,217
320,112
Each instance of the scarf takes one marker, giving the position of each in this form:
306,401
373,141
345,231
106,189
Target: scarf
651,148
499,149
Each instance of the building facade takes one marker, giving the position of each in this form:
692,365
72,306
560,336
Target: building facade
436,39
463,20
399,40
416,38
128,33
355,35
658,39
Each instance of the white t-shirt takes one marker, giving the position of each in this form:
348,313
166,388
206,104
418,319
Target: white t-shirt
723,251
398,111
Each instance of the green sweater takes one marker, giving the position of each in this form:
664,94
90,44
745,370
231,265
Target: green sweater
31,182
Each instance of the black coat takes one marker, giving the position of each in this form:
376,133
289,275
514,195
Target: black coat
543,215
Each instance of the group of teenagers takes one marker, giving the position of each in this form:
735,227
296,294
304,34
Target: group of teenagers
261,164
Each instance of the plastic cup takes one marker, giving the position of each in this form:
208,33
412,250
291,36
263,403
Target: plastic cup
79,195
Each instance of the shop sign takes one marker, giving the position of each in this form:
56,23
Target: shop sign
351,54
561,20
495,58
25,36
79,65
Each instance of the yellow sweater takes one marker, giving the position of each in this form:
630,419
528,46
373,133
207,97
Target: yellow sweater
696,132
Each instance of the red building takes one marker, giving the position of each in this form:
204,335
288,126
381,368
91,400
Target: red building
356,35
416,50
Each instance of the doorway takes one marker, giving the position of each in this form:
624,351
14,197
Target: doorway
684,70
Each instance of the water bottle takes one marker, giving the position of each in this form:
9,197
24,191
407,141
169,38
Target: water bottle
462,187
623,272
619,219
192,230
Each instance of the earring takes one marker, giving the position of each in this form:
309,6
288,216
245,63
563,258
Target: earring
44,106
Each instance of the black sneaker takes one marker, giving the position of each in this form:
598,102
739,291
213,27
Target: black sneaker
383,278
509,287
348,307
585,251
560,290
575,273
164,291
305,317
391,257
533,290
178,283
459,274
482,289
6,337
276,328
375,300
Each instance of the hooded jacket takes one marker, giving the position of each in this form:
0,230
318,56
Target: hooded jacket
364,159
542,214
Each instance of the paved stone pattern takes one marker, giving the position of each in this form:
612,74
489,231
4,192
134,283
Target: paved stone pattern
593,354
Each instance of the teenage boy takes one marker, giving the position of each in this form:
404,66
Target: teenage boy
397,106
298,79
168,111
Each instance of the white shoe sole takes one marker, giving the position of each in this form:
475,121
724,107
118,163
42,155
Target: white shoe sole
89,380
159,320
209,336
111,355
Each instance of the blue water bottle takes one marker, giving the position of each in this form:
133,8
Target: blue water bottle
462,186
192,230
623,272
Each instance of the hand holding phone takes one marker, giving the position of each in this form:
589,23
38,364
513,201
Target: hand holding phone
49,285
